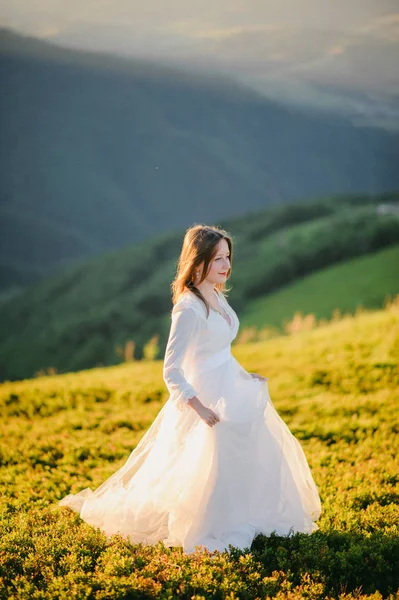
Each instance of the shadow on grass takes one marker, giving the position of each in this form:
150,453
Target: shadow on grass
343,561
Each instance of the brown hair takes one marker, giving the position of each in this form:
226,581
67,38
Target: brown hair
199,245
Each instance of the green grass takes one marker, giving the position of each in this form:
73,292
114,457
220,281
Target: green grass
361,282
337,388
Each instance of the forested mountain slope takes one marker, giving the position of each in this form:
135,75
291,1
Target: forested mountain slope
101,152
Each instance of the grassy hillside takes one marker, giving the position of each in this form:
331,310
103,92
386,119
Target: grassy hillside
359,282
77,319
104,151
336,387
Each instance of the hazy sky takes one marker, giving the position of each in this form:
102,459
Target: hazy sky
311,51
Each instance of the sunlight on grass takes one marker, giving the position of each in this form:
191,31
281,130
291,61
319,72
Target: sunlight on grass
336,387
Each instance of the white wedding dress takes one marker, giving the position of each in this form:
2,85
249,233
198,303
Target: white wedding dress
189,484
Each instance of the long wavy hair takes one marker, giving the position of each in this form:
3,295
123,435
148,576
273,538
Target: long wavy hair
199,246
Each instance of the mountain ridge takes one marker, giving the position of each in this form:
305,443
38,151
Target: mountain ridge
114,158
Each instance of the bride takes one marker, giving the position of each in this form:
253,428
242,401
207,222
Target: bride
218,465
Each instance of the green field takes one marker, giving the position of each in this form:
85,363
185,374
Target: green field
360,282
337,387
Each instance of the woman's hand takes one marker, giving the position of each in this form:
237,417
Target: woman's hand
208,415
260,377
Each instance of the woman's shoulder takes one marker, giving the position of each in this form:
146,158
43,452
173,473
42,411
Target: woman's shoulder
187,302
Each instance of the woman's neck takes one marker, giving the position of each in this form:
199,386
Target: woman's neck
208,290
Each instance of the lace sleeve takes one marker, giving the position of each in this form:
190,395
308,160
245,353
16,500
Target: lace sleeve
183,331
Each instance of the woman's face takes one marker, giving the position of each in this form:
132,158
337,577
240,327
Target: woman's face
220,264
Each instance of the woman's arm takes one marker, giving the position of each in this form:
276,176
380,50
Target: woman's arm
185,327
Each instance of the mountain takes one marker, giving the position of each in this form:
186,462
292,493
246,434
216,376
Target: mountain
78,318
100,152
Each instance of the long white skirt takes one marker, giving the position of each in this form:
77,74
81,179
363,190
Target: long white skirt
189,484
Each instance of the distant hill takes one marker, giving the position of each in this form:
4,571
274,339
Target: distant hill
364,281
77,319
100,152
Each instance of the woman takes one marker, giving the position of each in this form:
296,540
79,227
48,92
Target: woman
218,465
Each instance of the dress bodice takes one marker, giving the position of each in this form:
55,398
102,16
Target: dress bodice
214,331
196,342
